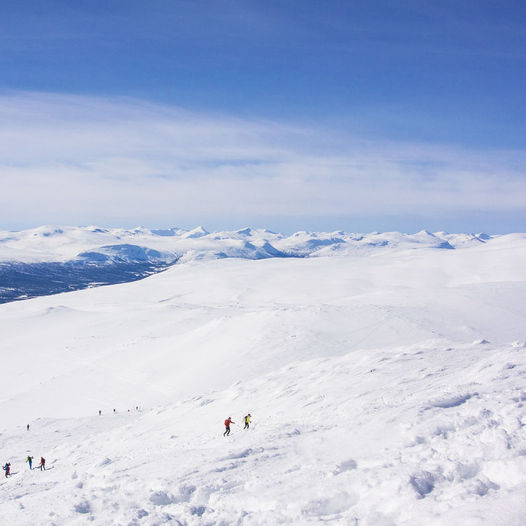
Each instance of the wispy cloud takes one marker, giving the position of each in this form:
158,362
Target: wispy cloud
77,160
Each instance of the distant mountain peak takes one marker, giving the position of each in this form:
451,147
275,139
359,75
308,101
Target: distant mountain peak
245,231
196,232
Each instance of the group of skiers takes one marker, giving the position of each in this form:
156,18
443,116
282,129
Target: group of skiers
29,460
115,410
229,421
42,464
7,467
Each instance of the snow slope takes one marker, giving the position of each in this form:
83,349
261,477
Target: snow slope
387,387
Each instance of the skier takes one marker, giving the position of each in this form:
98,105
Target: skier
100,412
7,469
247,421
30,461
27,427
228,421
42,464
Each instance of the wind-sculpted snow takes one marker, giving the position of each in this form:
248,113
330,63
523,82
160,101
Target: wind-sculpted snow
69,258
386,387
343,445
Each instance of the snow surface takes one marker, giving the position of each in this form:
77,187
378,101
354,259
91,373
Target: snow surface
387,387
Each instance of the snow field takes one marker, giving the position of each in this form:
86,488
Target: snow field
333,440
385,389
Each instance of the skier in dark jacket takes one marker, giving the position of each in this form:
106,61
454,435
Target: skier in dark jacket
29,460
228,421
42,464
7,469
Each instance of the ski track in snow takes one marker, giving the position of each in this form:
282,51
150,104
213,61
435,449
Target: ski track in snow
385,390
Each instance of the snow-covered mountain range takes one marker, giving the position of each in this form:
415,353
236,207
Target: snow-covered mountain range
386,386
95,245
49,259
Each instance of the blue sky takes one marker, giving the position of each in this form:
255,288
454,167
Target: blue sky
320,115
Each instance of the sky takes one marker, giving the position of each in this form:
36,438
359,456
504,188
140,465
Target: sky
361,116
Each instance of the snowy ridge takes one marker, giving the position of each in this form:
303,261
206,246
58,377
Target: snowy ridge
60,244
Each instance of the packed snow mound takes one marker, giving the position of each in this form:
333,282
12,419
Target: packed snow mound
60,244
386,388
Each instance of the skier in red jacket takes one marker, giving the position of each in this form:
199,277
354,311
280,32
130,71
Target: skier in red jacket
228,421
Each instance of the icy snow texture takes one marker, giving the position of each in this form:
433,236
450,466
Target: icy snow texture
387,387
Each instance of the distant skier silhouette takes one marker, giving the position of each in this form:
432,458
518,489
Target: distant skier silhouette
100,412
247,421
27,427
7,469
42,464
29,460
228,421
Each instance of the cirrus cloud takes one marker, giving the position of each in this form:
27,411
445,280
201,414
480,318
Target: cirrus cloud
77,160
